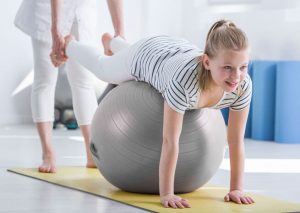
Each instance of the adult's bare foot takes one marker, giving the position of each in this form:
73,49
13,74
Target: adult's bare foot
90,162
106,38
48,165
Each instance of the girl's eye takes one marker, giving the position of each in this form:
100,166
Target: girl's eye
227,67
244,68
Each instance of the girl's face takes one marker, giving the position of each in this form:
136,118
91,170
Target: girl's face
228,68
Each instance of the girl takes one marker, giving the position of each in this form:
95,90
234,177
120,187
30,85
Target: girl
187,79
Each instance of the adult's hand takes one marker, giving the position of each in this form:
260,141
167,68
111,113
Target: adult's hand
57,55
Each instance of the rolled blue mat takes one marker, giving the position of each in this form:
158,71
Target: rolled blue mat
287,123
225,113
263,100
248,130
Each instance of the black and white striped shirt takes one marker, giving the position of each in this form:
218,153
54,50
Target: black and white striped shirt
170,65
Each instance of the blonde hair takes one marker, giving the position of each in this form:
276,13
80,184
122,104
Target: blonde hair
222,35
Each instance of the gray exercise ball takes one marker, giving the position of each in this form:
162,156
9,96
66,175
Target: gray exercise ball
127,139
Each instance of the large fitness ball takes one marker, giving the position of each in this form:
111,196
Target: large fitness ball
127,139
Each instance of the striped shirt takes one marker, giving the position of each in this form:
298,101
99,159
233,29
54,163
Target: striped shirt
170,65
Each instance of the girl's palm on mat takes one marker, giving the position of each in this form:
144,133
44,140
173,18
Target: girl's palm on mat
173,201
238,197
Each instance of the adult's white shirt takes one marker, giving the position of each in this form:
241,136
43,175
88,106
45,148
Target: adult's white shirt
34,17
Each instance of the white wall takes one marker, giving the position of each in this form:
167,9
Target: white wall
16,61
162,17
271,25
133,19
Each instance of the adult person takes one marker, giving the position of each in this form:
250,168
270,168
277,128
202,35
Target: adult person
47,22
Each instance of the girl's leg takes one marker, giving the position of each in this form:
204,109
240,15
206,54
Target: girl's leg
112,69
112,44
106,38
42,101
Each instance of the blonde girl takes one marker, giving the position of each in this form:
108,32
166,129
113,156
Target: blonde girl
187,78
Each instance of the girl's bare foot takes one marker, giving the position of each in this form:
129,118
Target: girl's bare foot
106,38
48,165
68,38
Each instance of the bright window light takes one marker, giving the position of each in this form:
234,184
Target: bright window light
230,8
76,138
234,1
27,81
75,157
262,165
292,15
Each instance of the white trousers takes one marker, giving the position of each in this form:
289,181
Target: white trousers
85,87
113,69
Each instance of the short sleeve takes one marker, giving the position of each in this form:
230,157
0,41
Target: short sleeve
176,97
245,98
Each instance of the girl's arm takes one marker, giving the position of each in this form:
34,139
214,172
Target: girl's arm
236,130
172,125
88,56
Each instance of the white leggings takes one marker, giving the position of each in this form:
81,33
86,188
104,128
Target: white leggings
112,69
85,86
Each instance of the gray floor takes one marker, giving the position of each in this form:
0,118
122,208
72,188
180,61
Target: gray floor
271,169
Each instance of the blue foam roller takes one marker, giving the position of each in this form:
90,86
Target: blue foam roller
248,131
287,123
263,100
225,113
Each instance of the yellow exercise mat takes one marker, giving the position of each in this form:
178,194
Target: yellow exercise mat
206,199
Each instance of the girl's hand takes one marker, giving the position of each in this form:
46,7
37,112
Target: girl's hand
238,197
173,201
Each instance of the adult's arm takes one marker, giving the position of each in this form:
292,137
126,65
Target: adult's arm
116,12
58,41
